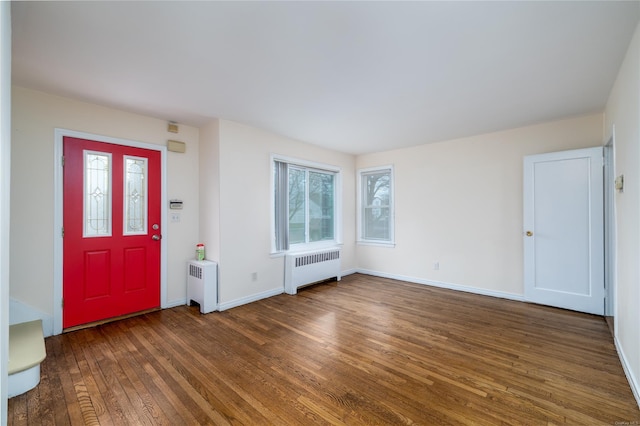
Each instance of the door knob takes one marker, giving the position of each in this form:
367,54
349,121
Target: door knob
156,237
529,233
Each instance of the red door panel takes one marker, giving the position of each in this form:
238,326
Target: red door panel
118,272
135,272
97,271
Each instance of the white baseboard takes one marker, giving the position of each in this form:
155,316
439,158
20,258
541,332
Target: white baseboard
440,284
174,303
631,377
349,272
265,294
251,298
21,312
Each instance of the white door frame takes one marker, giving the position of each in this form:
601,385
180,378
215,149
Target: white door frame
610,227
58,214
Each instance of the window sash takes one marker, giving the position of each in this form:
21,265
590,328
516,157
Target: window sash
320,208
376,205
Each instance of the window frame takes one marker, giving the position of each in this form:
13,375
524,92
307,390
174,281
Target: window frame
337,204
391,242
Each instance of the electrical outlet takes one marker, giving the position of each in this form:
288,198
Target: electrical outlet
436,266
175,217
254,276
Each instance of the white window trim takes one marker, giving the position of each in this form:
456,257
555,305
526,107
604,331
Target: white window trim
392,215
337,241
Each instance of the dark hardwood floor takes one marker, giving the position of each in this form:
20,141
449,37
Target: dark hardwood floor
363,351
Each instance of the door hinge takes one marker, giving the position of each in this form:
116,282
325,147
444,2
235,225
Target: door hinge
62,232
62,161
62,303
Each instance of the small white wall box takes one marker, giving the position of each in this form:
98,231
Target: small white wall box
202,284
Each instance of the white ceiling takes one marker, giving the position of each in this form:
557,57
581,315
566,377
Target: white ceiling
352,76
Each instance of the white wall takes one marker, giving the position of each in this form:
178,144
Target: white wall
623,113
5,176
35,116
459,203
210,189
245,209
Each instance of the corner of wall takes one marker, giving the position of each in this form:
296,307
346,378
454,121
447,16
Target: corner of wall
20,312
209,175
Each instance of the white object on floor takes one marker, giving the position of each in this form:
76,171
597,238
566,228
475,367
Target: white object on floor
26,352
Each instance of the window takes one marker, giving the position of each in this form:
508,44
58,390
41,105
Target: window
97,194
375,224
305,207
135,196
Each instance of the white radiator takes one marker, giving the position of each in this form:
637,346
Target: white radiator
202,284
309,267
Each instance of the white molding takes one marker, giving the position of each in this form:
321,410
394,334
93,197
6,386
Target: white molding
635,387
450,286
59,134
440,284
376,243
349,272
266,294
252,298
611,228
323,167
175,303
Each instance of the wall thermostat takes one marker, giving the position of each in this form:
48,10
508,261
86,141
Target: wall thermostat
175,204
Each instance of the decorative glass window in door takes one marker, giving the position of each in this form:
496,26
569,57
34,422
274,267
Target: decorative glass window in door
97,194
135,195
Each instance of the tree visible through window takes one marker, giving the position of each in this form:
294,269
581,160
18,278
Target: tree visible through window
376,205
311,210
310,205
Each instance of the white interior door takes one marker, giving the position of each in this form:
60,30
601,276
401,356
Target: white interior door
563,230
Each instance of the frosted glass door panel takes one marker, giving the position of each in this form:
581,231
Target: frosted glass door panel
135,196
97,194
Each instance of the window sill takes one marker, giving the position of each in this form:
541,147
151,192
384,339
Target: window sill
302,248
388,244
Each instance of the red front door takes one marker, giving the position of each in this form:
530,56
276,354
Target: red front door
112,232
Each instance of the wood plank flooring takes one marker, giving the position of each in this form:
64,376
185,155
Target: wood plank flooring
363,351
